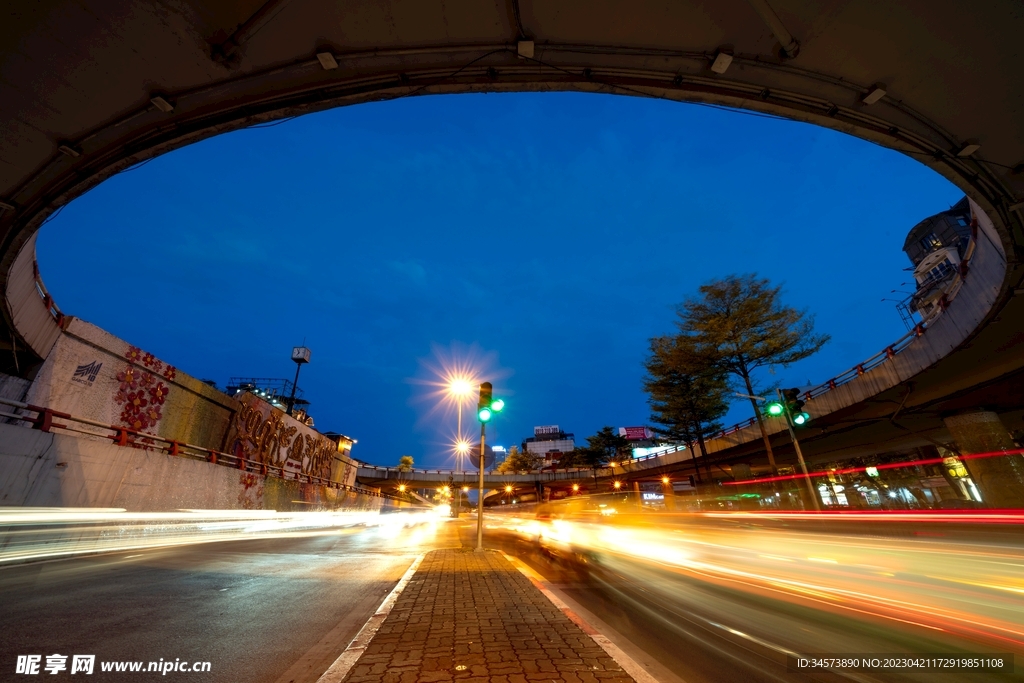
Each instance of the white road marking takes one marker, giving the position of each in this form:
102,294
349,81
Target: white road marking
344,663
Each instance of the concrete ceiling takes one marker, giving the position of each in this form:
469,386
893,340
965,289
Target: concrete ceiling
81,76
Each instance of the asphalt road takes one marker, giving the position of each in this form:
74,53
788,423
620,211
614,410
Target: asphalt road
260,611
687,630
280,610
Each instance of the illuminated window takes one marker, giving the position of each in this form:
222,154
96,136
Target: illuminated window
931,241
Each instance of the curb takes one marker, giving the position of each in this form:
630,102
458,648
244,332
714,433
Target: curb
344,663
628,664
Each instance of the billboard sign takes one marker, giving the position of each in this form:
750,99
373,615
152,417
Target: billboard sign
545,430
636,433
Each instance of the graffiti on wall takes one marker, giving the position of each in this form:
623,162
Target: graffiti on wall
141,390
265,434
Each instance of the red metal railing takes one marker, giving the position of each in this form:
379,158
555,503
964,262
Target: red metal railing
46,420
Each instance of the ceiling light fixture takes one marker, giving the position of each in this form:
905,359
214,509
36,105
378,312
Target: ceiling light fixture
68,150
327,60
876,93
721,63
160,103
968,148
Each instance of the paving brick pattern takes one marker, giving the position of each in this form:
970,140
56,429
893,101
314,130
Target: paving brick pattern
473,618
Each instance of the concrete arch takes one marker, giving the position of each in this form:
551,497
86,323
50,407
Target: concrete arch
90,89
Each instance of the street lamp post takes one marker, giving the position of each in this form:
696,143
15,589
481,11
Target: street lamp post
459,388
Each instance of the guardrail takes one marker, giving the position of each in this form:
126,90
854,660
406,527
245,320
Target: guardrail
853,373
548,470
46,420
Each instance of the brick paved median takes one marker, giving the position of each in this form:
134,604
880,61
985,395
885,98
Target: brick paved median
473,618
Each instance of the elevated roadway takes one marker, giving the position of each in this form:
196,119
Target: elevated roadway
89,89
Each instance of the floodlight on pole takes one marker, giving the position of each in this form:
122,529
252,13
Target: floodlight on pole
300,355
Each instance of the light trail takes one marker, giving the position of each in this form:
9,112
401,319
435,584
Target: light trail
31,534
967,582
885,466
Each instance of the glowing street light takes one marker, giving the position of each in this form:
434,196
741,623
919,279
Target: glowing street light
617,485
664,480
575,488
401,487
459,388
508,489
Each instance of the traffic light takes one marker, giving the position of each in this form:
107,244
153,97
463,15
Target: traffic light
488,405
774,409
795,407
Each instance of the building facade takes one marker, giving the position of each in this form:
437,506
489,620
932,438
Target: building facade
936,247
549,442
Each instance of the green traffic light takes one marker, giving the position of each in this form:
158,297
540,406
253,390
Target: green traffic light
801,418
774,409
497,405
484,414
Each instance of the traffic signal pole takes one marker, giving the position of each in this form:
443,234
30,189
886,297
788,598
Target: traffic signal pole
799,453
480,493
485,410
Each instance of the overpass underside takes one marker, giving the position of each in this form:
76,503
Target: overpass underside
89,89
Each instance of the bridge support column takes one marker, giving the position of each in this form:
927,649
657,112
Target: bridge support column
1000,479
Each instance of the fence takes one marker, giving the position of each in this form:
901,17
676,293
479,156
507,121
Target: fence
46,420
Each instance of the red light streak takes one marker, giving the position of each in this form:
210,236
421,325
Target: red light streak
888,466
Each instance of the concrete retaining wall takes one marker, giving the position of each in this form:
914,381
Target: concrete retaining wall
56,470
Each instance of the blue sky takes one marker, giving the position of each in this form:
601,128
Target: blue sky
550,234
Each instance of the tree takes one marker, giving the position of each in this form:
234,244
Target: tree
519,461
581,457
405,463
601,448
688,393
742,324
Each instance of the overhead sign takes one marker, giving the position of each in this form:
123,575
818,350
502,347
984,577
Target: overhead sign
636,433
544,430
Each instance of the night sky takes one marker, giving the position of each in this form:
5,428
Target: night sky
544,237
